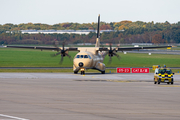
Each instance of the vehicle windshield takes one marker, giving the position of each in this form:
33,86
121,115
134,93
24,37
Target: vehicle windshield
83,56
162,71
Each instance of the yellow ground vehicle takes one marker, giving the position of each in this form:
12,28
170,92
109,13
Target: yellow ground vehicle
163,75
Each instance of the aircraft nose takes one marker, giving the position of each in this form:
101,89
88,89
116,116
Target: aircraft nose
81,64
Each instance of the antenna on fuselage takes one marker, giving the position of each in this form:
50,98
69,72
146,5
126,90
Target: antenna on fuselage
98,33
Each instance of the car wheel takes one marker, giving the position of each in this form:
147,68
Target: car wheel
154,81
167,82
171,82
158,82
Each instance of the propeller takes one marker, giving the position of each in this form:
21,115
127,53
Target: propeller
112,53
63,52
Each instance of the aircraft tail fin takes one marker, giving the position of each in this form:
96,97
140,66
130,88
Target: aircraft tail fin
98,33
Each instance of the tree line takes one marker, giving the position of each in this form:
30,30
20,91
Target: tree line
134,32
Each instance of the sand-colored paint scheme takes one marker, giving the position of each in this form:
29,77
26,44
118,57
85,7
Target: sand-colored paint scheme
89,57
163,75
87,60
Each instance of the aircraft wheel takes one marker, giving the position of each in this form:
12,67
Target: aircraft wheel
82,72
103,72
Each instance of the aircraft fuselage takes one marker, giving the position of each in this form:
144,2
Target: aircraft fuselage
88,58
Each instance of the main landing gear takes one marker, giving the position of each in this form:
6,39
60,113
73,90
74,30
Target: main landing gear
103,72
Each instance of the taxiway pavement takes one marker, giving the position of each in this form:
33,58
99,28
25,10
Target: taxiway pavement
66,96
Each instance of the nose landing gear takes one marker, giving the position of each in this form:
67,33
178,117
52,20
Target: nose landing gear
82,71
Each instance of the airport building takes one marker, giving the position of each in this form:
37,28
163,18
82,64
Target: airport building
60,31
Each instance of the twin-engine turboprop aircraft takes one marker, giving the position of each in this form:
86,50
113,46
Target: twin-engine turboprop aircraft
89,57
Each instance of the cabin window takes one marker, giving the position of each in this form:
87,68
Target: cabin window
82,56
77,56
89,56
85,56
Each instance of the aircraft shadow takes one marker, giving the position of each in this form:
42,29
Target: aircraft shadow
96,73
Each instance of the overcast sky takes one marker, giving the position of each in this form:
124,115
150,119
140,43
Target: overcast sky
86,11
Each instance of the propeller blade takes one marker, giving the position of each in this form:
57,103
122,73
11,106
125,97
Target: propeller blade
109,60
53,55
110,47
63,45
117,56
68,56
98,31
61,59
62,52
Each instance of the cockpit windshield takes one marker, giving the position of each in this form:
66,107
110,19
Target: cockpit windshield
83,56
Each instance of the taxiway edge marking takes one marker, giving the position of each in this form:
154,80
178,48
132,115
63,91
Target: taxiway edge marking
17,118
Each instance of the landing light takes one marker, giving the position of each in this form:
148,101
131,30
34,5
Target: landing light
82,69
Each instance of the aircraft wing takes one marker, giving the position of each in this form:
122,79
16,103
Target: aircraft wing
132,48
43,48
138,48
